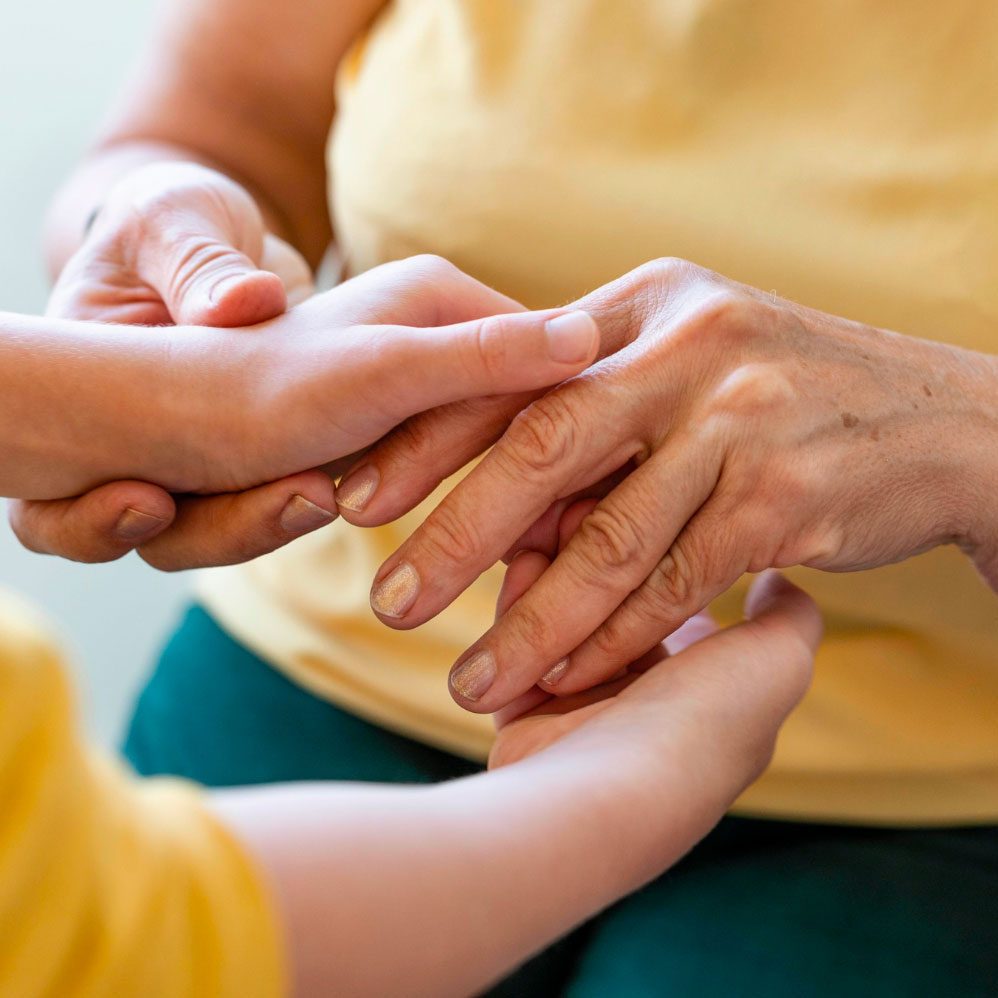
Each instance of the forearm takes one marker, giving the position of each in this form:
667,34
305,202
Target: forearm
81,404
448,888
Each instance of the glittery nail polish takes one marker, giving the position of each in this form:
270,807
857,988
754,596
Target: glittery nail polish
473,677
395,593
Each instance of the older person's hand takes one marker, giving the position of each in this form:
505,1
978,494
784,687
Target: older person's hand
780,645
216,412
174,243
727,431
179,243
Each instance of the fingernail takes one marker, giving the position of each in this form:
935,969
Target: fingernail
133,524
555,673
355,491
571,337
473,678
395,593
299,516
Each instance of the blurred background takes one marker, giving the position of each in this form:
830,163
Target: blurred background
60,64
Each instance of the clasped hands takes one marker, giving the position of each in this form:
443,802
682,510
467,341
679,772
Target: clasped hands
720,430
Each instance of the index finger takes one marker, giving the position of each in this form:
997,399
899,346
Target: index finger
409,463
548,452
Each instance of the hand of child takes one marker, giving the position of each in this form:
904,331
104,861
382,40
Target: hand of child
198,410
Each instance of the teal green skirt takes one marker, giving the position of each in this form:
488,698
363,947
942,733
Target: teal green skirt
759,909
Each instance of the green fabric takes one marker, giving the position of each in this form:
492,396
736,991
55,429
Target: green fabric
759,909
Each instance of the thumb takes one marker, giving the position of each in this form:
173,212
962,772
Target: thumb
229,291
200,250
496,355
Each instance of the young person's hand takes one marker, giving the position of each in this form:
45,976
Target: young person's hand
180,244
776,613
199,410
590,797
175,243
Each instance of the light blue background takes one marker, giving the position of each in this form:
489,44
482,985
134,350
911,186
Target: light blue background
60,63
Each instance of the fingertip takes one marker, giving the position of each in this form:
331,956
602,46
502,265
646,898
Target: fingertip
772,595
316,487
99,526
356,490
244,299
698,627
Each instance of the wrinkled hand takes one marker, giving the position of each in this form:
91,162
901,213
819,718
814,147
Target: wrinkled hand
726,431
177,243
706,698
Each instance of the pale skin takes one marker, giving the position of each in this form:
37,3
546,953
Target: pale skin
212,410
375,885
262,59
200,176
428,885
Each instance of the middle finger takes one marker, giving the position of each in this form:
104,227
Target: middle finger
619,543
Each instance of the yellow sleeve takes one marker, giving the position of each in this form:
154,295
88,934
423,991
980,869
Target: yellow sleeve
110,885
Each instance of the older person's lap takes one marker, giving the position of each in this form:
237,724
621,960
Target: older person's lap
760,908
781,909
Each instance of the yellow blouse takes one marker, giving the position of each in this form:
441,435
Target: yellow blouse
844,154
108,885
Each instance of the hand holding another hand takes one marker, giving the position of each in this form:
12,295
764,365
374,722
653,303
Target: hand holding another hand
724,431
176,243
694,721
274,396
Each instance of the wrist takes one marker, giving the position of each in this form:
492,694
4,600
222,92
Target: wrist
976,443
609,802
957,445
210,416
86,403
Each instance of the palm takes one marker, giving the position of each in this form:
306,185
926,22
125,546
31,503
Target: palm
538,718
524,733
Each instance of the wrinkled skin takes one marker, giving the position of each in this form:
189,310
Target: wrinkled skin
725,430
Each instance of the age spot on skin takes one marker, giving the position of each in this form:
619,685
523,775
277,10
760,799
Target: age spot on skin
849,420
874,434
927,390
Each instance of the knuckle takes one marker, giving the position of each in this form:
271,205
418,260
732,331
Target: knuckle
609,539
491,345
754,390
413,442
429,267
609,639
534,629
664,270
543,436
723,310
449,536
672,584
